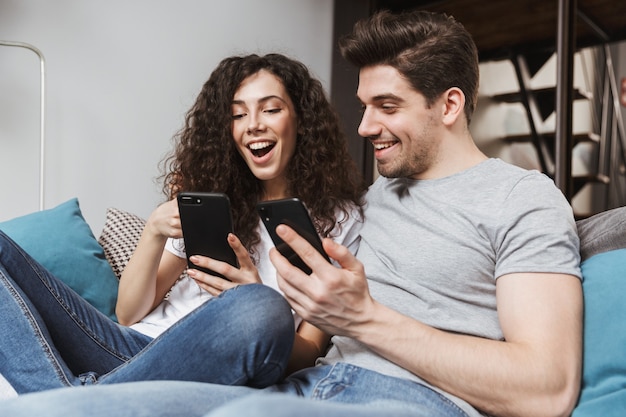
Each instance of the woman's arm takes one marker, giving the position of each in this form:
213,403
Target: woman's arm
310,343
151,271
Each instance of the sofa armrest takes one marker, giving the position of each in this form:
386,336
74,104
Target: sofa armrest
602,232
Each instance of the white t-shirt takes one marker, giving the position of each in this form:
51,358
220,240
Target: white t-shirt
186,295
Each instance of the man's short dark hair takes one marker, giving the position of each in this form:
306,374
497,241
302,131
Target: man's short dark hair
433,51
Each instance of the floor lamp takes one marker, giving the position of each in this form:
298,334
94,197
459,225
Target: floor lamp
42,143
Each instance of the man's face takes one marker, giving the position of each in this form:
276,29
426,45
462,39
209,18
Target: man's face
398,122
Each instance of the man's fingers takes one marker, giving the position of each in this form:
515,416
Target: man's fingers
307,253
312,257
341,255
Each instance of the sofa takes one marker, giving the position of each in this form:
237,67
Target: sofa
60,239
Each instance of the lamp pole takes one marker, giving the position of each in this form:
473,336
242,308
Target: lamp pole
42,110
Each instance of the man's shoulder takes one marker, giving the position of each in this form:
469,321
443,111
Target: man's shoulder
383,183
499,167
512,176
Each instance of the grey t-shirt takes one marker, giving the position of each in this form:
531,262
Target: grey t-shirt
433,249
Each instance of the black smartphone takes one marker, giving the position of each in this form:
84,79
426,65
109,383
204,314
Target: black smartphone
206,222
293,213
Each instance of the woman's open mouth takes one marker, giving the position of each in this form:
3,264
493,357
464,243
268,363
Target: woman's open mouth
260,149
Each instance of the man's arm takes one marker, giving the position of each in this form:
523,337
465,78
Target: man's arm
535,371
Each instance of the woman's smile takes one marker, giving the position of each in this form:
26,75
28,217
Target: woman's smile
264,127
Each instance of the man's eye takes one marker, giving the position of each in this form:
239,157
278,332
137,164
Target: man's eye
389,109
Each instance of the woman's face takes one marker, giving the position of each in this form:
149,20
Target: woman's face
264,127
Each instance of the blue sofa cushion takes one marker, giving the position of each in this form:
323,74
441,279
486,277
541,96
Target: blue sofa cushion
61,241
604,356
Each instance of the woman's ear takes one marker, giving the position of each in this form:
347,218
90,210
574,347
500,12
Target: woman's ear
454,105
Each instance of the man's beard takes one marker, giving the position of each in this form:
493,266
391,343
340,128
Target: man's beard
404,168
397,169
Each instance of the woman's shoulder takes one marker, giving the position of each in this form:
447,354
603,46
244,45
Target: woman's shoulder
349,220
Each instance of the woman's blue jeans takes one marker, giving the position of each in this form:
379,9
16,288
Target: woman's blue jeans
52,338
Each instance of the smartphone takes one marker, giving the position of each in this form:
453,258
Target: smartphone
293,213
206,222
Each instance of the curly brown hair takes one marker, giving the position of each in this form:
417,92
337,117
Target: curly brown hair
321,172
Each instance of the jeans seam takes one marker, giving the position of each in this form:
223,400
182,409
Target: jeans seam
43,343
320,390
75,318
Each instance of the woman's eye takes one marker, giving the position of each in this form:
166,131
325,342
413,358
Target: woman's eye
237,116
272,111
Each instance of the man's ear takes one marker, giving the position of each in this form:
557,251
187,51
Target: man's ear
454,105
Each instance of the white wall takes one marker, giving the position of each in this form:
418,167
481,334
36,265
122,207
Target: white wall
120,76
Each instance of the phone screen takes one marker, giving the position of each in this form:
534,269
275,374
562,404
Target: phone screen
293,213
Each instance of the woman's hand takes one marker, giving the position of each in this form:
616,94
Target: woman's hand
151,271
165,220
245,274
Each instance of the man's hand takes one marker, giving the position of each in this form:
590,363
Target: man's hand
336,300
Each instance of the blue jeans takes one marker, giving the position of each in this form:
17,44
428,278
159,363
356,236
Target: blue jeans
330,391
51,337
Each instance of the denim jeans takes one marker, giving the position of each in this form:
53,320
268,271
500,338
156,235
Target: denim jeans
330,391
52,338
343,390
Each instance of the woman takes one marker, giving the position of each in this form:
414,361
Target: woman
260,129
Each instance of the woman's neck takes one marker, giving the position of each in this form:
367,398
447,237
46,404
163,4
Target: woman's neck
273,191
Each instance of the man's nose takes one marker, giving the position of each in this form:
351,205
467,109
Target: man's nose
368,128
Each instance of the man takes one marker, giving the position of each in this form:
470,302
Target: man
465,296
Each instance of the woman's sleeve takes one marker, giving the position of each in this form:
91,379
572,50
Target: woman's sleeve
348,229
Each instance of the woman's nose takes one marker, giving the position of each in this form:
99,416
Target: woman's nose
255,123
